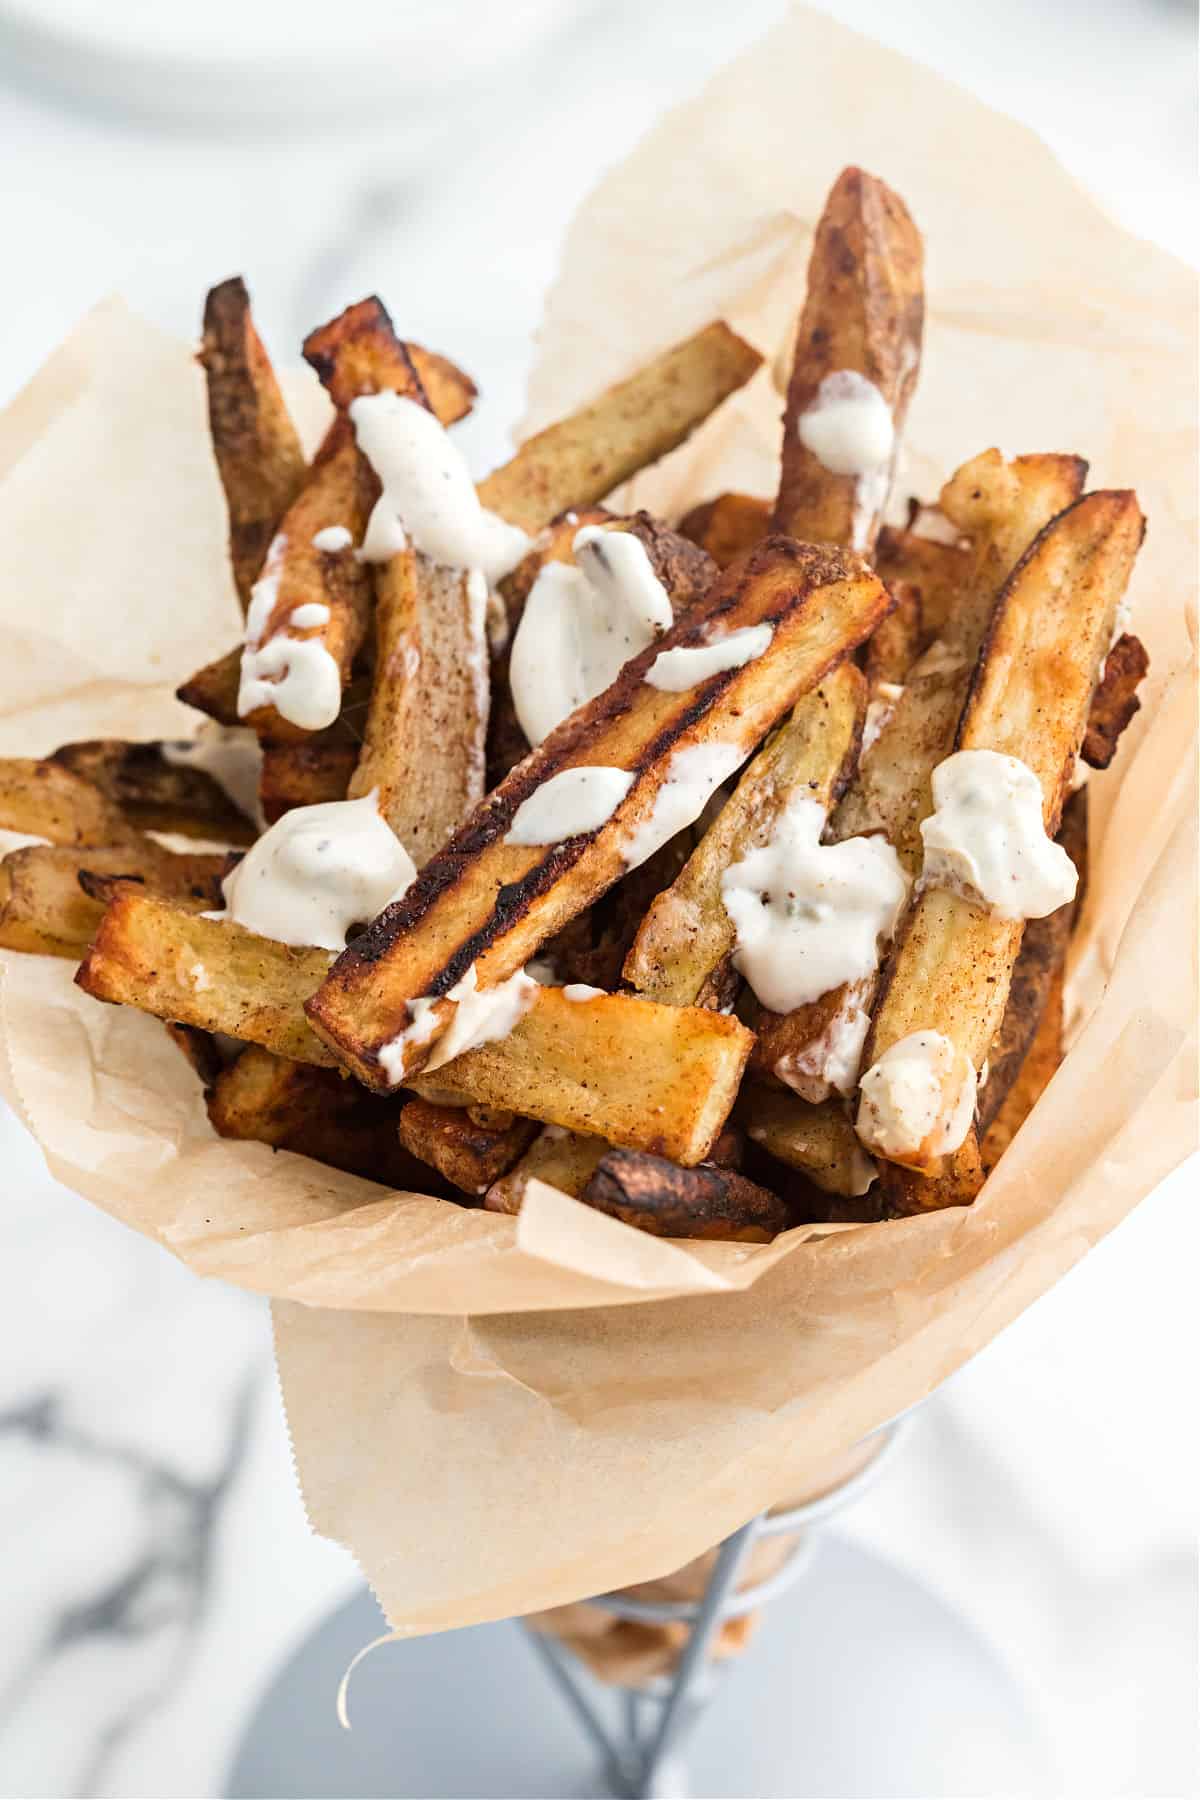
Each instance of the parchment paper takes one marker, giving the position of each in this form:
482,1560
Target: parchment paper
565,1439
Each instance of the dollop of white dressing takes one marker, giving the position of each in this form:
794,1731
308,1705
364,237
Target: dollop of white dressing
809,916
829,1063
693,776
582,623
297,676
849,428
428,496
333,538
231,754
580,990
573,801
674,671
986,838
481,1016
918,1098
318,871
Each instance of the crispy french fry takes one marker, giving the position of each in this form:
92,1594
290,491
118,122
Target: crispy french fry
213,690
49,801
562,1159
486,902
45,909
359,353
904,1192
154,793
210,973
728,526
864,313
657,1078
313,1112
817,1140
895,644
340,491
939,572
461,1145
1042,1058
1115,700
952,962
581,459
258,453
305,774
687,933
659,1197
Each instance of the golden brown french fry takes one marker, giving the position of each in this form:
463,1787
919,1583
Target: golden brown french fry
728,526
45,909
1041,1059
213,690
49,801
657,1078
210,973
1052,627
305,774
461,1144
486,902
257,451
313,1112
939,572
864,313
154,793
905,1192
562,1159
1115,700
581,459
895,644
340,491
818,1140
359,353
659,1197
687,933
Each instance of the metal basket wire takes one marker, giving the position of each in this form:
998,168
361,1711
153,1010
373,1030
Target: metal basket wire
656,1715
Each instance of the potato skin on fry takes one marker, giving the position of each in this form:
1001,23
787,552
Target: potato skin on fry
659,1197
469,1154
258,453
1042,1058
1115,700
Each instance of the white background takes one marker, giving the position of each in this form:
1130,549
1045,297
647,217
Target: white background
1050,1492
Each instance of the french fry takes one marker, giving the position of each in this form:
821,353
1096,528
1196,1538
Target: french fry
904,1192
46,800
258,454
213,690
485,902
939,572
659,1197
593,947
198,1050
359,353
817,1140
313,1112
461,1144
1042,1058
581,459
1052,627
687,933
864,313
1115,700
45,910
209,973
154,793
562,1159
305,774
895,644
728,526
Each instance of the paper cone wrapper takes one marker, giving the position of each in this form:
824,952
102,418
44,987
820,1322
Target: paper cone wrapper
487,1410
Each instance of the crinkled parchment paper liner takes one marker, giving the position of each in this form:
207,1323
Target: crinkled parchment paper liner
523,1456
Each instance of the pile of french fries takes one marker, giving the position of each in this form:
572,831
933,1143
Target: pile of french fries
639,1072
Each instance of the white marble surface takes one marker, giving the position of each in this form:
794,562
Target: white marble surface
156,1563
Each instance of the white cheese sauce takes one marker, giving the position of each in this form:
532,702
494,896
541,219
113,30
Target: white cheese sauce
481,1016
428,496
318,871
674,671
848,427
809,916
573,801
986,839
333,538
693,776
582,623
232,755
297,676
919,1097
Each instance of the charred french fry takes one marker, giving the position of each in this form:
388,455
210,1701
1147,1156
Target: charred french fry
258,453
460,1143
313,1112
728,526
659,1197
156,793
1042,1057
1115,700
562,1159
858,349
359,353
817,1140
951,966
46,909
687,932
581,459
213,690
47,800
305,774
504,884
